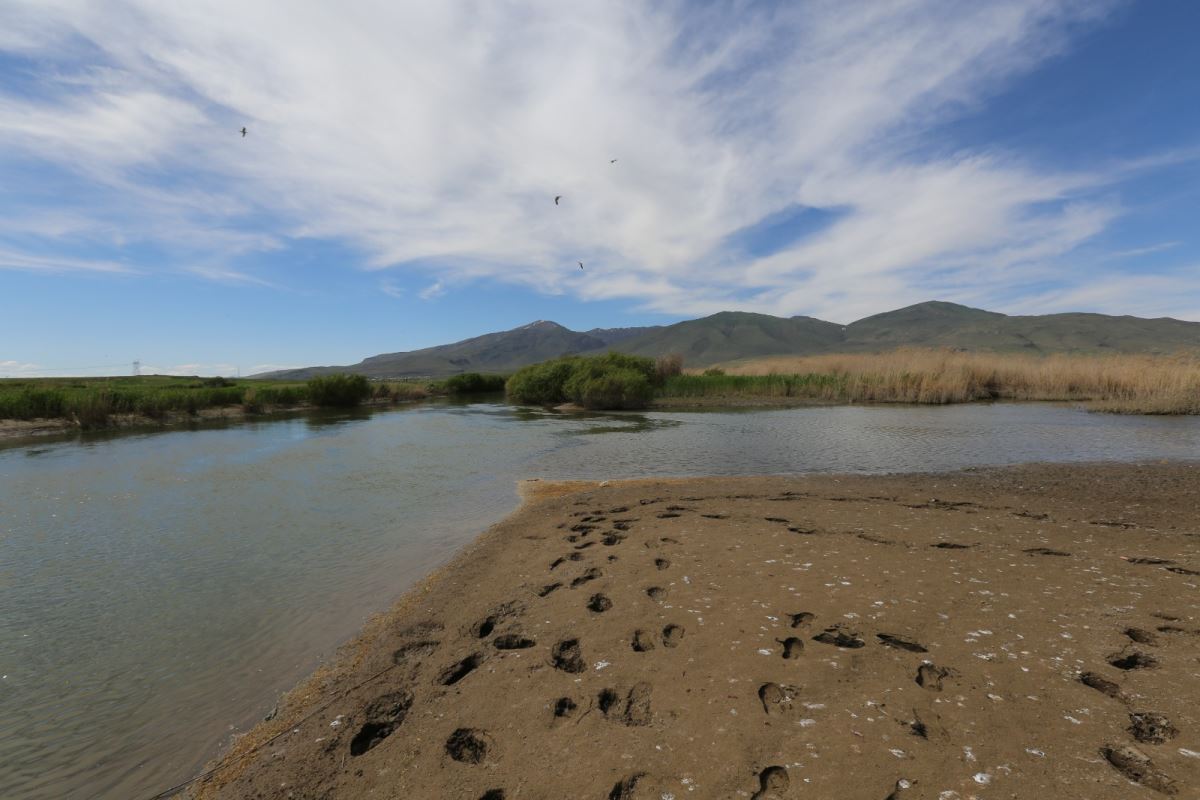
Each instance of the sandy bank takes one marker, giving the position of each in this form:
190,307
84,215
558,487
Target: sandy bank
1031,632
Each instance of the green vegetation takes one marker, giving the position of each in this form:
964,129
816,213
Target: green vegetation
610,381
338,391
474,383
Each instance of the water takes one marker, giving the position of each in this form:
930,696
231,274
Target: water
157,591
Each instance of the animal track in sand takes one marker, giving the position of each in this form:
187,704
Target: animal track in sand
568,656
657,593
564,707
627,789
1142,636
1134,660
512,641
900,643
930,676
634,711
715,516
668,540
456,672
470,745
1182,571
1137,767
548,588
840,636
493,794
793,647
776,698
773,783
671,635
1151,727
950,546
780,520
1101,684
383,716
585,545
591,574
1044,551
485,626
612,538
662,563
1150,561
668,515
802,619
563,559
599,603
642,641
413,650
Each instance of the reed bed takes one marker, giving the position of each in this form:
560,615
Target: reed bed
1132,384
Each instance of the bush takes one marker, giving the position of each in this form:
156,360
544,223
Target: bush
541,384
216,383
714,372
339,391
613,380
668,366
474,383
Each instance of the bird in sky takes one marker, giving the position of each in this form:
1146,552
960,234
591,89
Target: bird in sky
557,197
613,161
581,265
243,132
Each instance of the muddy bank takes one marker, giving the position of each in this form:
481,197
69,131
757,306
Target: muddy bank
1023,632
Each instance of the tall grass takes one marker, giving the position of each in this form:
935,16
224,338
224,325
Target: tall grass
1118,383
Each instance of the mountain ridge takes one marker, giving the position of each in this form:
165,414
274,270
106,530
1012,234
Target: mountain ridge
734,335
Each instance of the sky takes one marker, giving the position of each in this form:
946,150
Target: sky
395,186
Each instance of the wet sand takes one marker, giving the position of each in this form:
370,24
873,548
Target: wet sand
1030,632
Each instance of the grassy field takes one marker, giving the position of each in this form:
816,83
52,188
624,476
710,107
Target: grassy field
1119,383
90,402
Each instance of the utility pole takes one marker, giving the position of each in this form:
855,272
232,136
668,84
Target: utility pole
137,368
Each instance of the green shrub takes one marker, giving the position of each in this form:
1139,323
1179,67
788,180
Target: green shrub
668,366
610,389
474,383
216,383
341,391
541,384
714,372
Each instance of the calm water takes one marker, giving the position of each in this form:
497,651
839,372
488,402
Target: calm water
158,591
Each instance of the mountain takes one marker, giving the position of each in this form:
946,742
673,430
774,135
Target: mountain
734,335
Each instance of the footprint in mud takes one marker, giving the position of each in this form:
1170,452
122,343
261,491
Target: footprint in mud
594,518
1151,727
642,641
563,559
868,537
512,641
623,524
780,520
599,603
1134,660
840,636
564,707
1137,767
500,613
383,716
930,676
470,745
1142,636
456,672
1044,551
1101,684
493,794
548,588
414,650
715,516
584,529
1164,615
611,539
802,619
628,789
662,563
776,698
668,515
1182,571
618,510
773,783
793,647
585,545
634,711
649,501
900,643
672,635
950,546
591,574
678,508
1155,561
423,629
657,593
568,656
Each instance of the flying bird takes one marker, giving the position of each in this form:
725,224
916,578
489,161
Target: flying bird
557,197
581,265
243,132
613,161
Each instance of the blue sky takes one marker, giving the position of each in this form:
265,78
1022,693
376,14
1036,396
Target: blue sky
396,187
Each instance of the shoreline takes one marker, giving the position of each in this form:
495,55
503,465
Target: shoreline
1012,582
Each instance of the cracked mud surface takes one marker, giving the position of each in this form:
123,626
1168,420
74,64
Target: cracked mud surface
904,637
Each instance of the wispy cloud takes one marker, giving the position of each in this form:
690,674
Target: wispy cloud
433,137
30,262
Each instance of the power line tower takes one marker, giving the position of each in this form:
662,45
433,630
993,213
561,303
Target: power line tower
137,368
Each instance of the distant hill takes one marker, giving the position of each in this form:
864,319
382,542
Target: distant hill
733,335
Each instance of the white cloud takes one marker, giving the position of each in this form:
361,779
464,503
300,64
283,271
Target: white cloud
19,369
434,136
30,262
